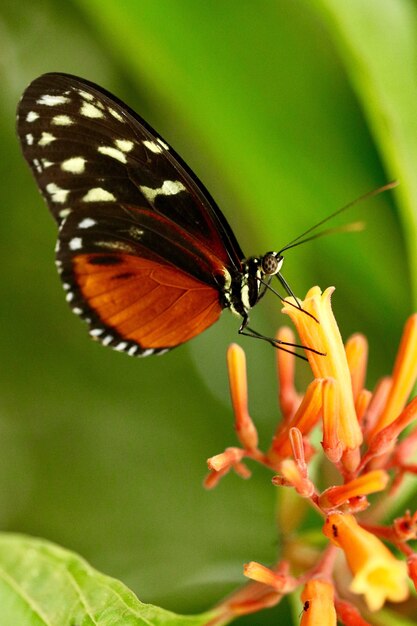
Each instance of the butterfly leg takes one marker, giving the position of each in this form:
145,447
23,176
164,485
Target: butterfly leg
277,343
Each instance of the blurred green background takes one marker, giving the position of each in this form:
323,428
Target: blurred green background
287,110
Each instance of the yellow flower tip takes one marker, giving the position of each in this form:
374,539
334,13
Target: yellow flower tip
261,574
325,337
377,574
318,604
380,582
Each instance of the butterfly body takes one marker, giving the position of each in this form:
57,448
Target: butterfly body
146,257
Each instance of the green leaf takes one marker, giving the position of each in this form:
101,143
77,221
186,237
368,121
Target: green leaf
42,584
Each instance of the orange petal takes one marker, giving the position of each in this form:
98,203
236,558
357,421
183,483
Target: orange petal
404,375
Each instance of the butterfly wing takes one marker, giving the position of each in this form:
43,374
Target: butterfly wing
145,254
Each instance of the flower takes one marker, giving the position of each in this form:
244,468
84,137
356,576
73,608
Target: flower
403,377
325,337
366,452
377,574
318,604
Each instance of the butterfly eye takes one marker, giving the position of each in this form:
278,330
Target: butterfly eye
272,263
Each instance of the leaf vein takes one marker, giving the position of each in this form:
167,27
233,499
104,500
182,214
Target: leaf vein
22,593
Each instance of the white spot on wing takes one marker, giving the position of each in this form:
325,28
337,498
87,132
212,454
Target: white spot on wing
125,145
107,339
115,245
96,332
53,100
62,120
89,110
163,144
64,213
76,243
87,222
29,139
169,188
132,350
69,297
46,163
57,194
152,146
46,139
115,114
121,346
114,153
32,116
85,94
37,165
75,165
147,352
98,194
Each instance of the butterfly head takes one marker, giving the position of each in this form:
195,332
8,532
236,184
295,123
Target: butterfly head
271,263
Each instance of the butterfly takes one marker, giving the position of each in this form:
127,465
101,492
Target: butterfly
145,255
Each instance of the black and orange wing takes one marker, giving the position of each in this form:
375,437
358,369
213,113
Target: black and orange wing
144,253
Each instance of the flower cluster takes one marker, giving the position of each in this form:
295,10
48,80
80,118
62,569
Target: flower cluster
367,447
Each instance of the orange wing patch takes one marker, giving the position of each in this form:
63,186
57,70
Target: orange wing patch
153,305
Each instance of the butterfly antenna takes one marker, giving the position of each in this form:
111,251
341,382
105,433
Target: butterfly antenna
299,240
354,227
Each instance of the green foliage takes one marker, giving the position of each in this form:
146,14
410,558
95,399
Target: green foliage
286,110
42,584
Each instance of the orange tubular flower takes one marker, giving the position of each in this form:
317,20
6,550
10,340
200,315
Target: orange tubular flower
305,418
279,581
338,410
357,357
377,574
362,486
318,609
404,376
349,614
245,429
325,337
288,397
